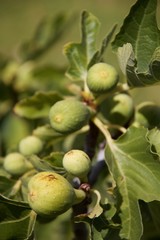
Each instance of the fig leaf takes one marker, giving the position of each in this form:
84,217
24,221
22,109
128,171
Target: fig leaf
38,105
136,172
80,54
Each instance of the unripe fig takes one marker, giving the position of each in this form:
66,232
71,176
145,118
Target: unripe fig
30,145
147,115
68,115
50,194
77,163
16,164
118,109
102,78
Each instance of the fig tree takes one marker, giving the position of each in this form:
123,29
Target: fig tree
102,78
68,115
77,163
16,164
118,108
30,145
50,194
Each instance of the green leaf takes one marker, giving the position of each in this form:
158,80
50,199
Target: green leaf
55,159
80,54
13,129
38,105
154,140
48,77
46,133
46,35
140,29
39,163
136,172
128,65
16,220
6,185
61,228
98,56
155,64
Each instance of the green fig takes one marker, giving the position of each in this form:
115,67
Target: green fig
77,163
148,115
30,145
16,164
69,115
50,194
118,108
102,78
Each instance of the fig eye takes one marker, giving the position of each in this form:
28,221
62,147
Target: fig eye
102,78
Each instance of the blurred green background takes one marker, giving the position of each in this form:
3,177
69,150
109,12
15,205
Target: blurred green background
19,19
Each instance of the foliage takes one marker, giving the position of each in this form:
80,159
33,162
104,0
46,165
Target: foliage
120,196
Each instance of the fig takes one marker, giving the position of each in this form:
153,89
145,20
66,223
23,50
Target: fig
77,163
102,78
147,115
30,145
67,116
16,164
118,108
50,194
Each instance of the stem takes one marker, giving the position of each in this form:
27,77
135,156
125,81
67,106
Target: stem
15,188
103,128
91,140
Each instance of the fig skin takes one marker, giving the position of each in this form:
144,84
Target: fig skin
118,109
50,194
67,116
102,78
77,163
30,145
16,164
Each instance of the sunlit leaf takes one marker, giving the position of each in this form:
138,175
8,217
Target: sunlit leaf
98,56
140,29
80,54
136,172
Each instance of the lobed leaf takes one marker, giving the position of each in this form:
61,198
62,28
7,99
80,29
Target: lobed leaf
138,44
98,56
136,172
140,29
38,105
80,54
